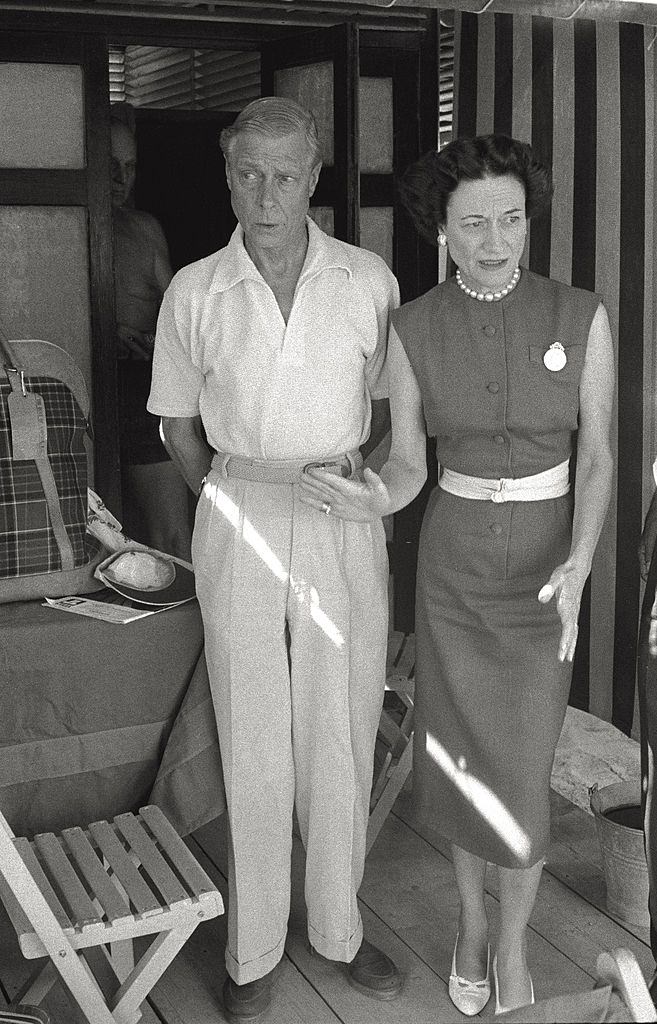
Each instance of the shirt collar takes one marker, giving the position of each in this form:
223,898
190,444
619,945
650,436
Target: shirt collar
235,264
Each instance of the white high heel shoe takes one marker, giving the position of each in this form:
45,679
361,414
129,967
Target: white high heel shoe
469,997
498,1006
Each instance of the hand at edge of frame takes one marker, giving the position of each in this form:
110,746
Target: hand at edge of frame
566,584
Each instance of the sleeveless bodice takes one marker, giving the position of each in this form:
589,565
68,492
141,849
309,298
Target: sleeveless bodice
493,406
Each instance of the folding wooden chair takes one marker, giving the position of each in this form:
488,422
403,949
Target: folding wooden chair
24,1015
395,732
619,968
103,887
620,995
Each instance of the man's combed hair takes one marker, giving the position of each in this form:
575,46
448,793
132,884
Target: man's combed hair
425,187
276,117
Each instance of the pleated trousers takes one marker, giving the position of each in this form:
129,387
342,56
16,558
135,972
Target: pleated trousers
294,606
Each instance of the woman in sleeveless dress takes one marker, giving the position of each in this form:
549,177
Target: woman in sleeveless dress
516,375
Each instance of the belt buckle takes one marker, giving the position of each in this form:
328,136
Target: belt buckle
324,465
499,495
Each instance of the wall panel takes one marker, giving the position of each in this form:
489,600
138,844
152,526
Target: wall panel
581,91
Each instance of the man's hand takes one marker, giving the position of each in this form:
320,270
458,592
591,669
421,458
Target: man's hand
133,344
359,500
566,583
648,538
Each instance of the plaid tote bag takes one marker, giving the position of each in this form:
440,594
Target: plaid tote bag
45,550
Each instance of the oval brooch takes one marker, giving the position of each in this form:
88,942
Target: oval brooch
555,358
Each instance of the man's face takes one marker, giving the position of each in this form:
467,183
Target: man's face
271,180
124,164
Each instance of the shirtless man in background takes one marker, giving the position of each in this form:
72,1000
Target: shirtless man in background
155,499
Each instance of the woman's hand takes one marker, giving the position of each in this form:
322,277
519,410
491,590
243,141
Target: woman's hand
359,500
566,584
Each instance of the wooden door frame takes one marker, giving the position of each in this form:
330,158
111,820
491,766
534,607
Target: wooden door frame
415,114
339,44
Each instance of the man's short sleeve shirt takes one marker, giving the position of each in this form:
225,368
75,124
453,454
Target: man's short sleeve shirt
266,389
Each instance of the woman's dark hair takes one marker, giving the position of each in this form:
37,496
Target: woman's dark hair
425,187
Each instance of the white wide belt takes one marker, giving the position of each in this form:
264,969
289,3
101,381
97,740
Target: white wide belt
552,483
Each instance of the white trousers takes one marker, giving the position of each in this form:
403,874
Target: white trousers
294,606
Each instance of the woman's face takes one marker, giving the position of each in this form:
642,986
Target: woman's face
485,229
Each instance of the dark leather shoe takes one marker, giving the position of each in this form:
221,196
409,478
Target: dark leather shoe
246,1003
373,973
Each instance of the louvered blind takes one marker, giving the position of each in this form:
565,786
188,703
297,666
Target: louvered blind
116,75
446,78
170,77
226,80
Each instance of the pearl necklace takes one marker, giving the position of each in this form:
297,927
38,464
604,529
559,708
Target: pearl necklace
488,296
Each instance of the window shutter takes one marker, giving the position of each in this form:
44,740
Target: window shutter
446,79
170,77
116,75
226,80
159,76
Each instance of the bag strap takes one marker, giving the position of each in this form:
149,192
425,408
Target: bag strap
47,478
9,357
41,461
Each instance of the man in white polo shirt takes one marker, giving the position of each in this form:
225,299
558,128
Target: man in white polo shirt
268,357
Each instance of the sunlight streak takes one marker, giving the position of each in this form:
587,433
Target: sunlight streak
304,592
483,799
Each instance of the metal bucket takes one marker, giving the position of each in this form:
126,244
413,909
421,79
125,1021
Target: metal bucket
623,853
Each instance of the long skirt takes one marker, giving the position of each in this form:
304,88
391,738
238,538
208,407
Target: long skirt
491,694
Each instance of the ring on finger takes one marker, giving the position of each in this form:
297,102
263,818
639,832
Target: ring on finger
326,508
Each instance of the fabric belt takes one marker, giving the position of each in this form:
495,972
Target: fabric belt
552,483
283,471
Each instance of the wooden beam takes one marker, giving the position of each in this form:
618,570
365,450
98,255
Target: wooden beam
249,20
405,14
27,186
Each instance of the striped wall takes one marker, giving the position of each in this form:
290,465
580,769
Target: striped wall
582,93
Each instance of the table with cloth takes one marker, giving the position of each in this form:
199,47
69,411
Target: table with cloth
98,718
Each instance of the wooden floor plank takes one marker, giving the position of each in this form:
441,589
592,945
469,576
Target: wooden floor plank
424,999
576,927
190,991
430,892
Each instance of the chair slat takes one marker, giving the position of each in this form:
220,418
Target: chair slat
29,857
182,859
404,663
65,881
395,644
119,861
152,860
115,907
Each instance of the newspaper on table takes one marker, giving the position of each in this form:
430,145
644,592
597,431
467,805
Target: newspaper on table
104,609
108,604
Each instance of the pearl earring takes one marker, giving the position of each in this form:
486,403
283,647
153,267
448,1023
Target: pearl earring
442,239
